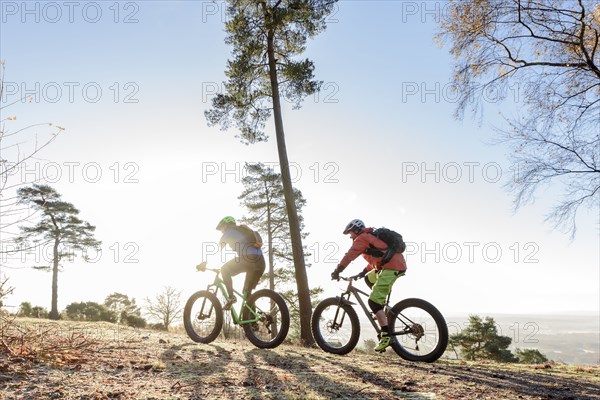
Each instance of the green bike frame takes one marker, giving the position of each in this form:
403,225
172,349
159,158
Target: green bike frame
219,285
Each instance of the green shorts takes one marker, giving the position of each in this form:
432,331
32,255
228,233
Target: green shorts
383,285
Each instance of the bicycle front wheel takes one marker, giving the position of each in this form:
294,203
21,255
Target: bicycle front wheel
203,317
420,330
273,319
335,326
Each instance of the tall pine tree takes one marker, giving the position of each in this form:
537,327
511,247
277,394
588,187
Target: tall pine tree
263,197
59,226
266,36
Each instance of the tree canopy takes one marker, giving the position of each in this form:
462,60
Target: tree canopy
480,341
253,26
547,52
57,224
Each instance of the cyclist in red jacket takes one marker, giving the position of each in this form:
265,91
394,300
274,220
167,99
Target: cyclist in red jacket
373,249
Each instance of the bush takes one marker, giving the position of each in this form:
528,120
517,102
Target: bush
39,312
89,311
157,327
134,321
530,356
25,309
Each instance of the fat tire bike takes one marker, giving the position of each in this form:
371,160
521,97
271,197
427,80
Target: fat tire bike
418,330
264,315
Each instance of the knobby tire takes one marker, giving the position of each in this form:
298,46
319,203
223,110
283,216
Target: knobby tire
194,320
329,335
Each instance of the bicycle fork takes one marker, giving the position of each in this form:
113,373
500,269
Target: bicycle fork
336,325
202,314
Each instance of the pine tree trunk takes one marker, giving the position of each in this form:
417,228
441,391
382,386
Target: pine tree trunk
296,238
54,306
271,260
270,239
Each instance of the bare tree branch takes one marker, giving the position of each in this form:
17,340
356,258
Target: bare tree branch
550,49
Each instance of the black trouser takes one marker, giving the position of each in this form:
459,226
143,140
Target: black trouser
252,265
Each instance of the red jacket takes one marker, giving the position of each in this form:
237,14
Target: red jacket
361,244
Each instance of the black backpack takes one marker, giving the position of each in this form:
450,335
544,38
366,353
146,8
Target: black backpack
393,240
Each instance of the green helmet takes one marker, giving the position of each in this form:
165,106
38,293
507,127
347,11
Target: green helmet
226,220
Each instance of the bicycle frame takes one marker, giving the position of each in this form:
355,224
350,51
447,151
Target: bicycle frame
219,285
357,292
351,290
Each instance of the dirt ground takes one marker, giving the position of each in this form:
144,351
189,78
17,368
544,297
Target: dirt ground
50,360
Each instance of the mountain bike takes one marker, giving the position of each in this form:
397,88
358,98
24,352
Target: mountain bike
419,331
264,315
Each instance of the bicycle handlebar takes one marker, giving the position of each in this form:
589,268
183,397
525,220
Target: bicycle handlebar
349,278
202,267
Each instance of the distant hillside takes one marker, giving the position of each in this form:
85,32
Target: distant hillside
573,339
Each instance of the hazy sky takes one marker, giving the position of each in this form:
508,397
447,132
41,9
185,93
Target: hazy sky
130,81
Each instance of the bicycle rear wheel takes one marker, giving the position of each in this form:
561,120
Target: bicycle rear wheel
335,326
203,317
420,330
273,316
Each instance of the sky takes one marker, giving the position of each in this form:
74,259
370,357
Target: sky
130,81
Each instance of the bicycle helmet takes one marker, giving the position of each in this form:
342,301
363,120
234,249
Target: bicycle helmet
225,220
356,225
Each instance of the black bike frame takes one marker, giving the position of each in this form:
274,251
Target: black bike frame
344,298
